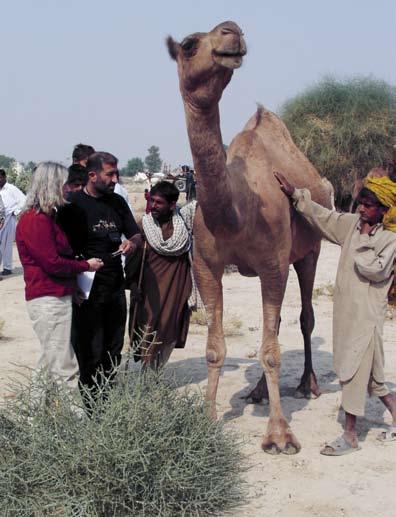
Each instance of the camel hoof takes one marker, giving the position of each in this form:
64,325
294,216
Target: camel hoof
257,394
280,438
252,399
300,394
271,448
308,387
291,448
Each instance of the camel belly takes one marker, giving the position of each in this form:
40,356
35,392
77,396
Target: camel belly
304,238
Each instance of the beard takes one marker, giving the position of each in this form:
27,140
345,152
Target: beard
105,189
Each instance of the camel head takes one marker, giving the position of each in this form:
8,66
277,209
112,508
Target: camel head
206,62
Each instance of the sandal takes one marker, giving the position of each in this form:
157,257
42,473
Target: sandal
387,435
338,448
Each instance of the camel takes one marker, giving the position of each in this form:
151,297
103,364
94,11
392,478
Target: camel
243,218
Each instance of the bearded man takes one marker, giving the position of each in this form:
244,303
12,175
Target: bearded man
94,222
162,308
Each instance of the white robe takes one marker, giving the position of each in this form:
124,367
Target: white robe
364,276
2,212
13,200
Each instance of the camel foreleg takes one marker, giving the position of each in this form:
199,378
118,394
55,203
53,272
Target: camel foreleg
209,284
279,436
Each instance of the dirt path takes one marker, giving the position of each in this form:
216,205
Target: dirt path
308,483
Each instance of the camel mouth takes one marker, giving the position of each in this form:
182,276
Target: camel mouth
229,59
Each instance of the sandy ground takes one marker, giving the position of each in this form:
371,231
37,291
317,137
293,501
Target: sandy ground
305,484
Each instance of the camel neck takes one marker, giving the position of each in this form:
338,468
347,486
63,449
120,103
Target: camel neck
213,181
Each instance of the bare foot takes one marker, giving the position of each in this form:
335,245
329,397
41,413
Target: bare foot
390,403
351,438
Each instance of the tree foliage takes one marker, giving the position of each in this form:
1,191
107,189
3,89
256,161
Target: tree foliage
18,176
30,166
153,160
21,180
133,166
345,128
6,161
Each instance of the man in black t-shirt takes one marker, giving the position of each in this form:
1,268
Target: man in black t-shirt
103,216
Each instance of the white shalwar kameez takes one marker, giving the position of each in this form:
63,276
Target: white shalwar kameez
364,276
13,201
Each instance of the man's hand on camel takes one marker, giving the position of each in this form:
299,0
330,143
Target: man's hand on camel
285,186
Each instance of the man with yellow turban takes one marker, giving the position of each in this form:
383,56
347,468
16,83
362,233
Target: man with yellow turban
364,276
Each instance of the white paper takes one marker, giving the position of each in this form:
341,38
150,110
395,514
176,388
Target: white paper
85,281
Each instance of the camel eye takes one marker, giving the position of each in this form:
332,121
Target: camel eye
189,45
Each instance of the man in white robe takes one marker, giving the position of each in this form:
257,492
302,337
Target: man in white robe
13,200
364,277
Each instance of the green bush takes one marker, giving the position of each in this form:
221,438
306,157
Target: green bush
345,128
148,449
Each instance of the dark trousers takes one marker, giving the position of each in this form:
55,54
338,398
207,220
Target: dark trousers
98,327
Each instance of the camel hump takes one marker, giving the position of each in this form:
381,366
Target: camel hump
268,124
257,119
261,111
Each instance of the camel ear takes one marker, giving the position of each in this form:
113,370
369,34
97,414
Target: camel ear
173,47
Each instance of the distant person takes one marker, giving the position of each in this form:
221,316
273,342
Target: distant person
99,321
50,272
81,153
147,197
190,185
13,200
364,276
2,218
167,281
77,178
2,213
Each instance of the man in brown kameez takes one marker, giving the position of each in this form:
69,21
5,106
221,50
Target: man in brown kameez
163,312
364,276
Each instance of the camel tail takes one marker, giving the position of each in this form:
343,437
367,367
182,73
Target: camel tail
259,115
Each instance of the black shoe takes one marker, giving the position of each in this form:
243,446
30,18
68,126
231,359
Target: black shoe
6,272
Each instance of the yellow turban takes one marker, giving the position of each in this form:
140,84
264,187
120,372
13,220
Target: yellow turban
385,190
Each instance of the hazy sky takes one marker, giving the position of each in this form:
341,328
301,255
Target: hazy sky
98,72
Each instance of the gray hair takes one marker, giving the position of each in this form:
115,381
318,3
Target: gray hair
46,191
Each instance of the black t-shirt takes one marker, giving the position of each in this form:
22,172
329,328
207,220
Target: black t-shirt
94,226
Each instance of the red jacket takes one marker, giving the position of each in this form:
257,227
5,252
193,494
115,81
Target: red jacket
49,268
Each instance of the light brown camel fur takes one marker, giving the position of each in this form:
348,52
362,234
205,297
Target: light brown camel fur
243,218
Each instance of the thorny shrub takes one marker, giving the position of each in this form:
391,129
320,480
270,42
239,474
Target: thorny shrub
148,449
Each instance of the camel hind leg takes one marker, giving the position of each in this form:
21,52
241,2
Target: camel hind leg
306,269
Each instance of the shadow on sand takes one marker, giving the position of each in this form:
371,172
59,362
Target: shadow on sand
17,271
194,371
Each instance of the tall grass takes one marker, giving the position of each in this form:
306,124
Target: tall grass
147,450
344,127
